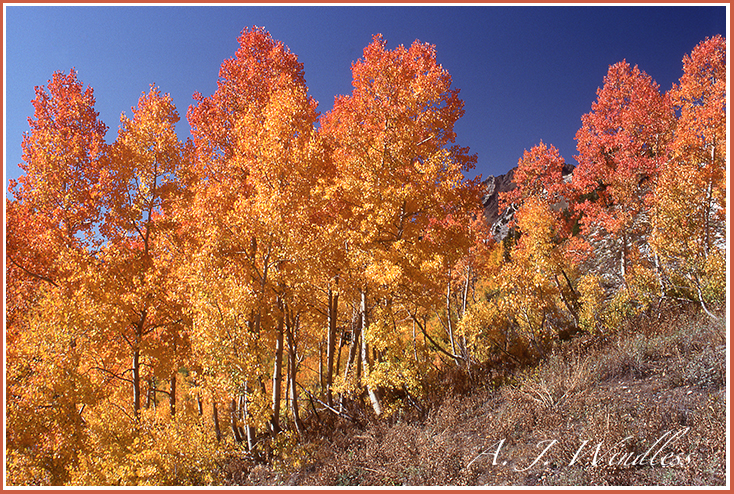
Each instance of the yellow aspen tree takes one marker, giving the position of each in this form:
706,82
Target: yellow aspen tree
403,180
256,162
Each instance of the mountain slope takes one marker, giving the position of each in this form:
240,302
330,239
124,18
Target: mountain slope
618,393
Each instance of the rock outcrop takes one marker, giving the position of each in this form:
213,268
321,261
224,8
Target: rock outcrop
500,220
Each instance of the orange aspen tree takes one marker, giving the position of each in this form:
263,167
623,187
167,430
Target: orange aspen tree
50,227
533,298
541,198
622,145
136,265
539,173
690,200
55,205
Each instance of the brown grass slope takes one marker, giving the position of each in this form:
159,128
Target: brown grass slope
604,406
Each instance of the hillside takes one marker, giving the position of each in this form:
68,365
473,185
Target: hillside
630,392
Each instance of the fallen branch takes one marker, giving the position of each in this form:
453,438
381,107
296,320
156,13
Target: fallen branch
433,342
331,409
703,305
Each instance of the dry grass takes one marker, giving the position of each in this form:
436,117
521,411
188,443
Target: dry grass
659,377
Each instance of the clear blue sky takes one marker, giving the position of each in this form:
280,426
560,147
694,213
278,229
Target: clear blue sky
525,73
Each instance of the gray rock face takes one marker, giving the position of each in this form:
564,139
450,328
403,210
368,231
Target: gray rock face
493,187
500,220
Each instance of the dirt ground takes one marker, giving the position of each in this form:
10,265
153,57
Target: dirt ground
645,406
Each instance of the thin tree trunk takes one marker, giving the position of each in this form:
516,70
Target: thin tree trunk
450,326
352,355
623,259
287,377
707,220
292,368
136,362
277,373
415,345
322,377
659,274
233,420
151,393
333,302
172,395
465,296
709,200
246,418
464,350
136,382
215,417
241,416
338,350
371,391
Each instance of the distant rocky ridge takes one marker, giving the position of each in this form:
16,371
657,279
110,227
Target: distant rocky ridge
607,249
493,186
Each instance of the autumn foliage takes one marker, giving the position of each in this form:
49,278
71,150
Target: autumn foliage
173,307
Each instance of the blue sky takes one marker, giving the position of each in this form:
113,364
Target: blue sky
525,73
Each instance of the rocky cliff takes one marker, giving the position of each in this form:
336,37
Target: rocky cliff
493,186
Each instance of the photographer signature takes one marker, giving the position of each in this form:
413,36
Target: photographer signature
661,453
